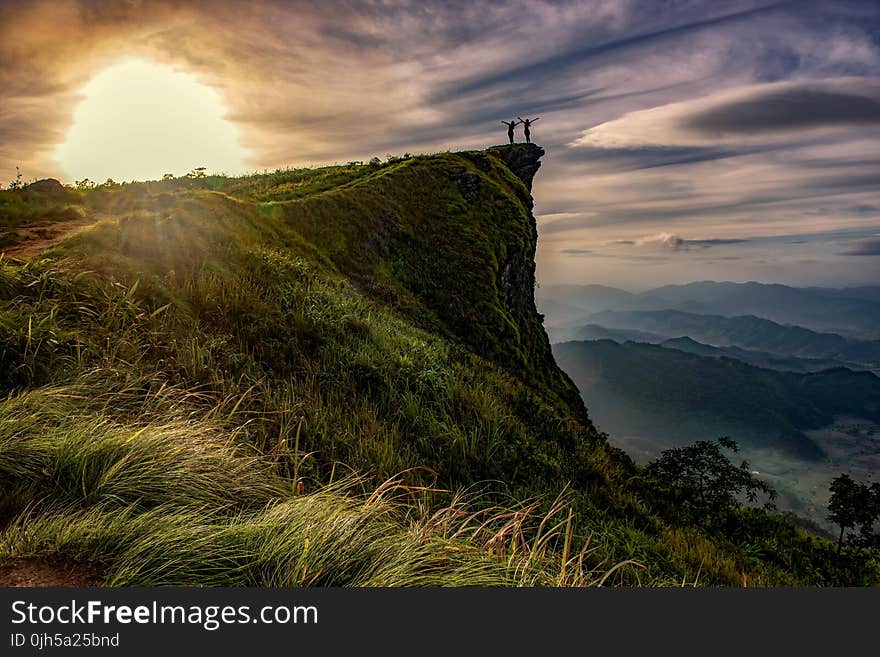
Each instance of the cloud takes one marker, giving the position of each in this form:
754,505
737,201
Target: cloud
806,106
747,116
678,243
868,247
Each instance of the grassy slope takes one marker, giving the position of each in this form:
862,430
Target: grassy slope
190,381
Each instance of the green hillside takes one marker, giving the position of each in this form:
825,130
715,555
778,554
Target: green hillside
325,377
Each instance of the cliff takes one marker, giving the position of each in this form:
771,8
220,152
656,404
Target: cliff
450,239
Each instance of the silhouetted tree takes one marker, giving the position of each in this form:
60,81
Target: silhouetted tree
854,504
702,481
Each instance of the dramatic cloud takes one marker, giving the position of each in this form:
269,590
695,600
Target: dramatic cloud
789,109
749,115
869,247
720,121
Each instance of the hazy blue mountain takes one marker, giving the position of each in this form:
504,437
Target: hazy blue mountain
854,312
556,312
597,332
748,332
693,347
851,312
673,397
590,299
866,292
752,357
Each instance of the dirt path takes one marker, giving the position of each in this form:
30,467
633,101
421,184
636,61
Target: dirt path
44,572
39,237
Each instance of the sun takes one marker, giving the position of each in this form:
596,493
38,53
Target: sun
139,120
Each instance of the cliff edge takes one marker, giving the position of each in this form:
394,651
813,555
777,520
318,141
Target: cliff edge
450,240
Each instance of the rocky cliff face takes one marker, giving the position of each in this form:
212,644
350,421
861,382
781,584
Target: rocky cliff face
523,160
516,279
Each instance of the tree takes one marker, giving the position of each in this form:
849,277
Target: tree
16,184
702,481
854,504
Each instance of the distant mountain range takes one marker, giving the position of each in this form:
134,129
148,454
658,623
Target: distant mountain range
597,332
684,343
756,358
670,396
746,332
850,312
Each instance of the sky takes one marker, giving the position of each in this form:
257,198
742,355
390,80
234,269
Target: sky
723,140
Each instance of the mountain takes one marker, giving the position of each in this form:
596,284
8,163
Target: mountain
756,358
851,312
747,332
596,332
285,379
826,310
601,297
590,299
673,396
693,347
867,292
559,311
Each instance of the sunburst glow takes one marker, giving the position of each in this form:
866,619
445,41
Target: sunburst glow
139,120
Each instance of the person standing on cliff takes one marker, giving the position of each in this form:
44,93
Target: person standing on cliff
526,123
510,127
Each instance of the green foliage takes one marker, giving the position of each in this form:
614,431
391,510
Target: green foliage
16,183
703,483
20,208
855,505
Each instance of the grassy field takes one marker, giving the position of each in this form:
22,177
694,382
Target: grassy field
324,377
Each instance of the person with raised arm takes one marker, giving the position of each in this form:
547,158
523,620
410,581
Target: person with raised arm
526,124
510,126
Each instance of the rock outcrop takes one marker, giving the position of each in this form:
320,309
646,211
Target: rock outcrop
524,160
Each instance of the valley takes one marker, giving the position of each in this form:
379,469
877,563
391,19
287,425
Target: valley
803,405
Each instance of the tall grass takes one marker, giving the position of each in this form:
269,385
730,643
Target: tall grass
181,503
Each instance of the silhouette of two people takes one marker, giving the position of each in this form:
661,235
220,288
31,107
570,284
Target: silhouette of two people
527,124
